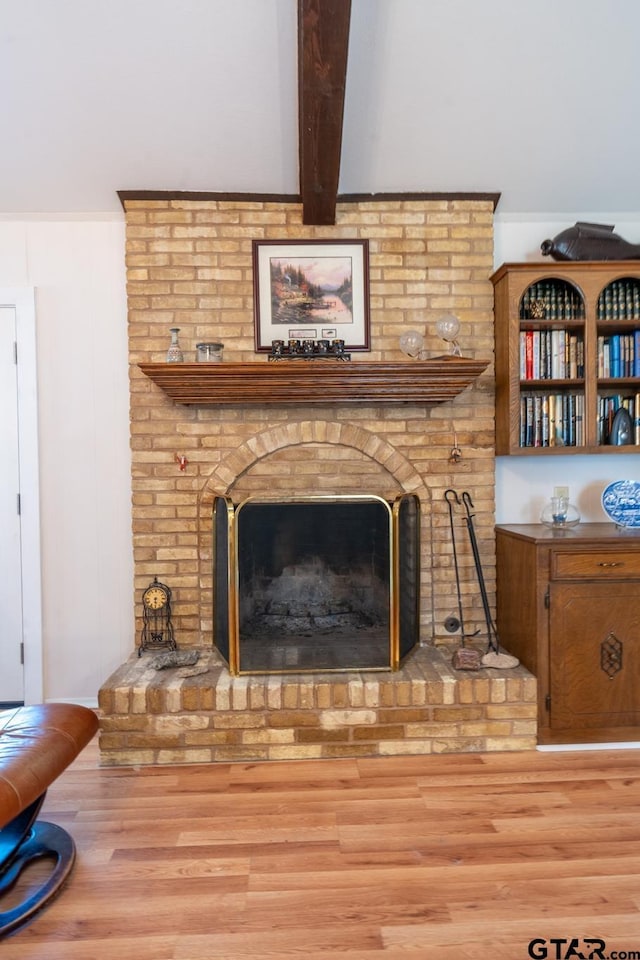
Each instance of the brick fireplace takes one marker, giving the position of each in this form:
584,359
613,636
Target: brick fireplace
189,265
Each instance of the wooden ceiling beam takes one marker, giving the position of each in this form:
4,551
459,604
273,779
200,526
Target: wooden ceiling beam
323,40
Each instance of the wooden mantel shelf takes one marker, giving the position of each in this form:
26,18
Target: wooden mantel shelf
315,381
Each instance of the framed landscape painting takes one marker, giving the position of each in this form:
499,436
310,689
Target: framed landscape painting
315,290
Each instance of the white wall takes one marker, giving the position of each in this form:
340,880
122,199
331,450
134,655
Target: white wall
77,270
524,484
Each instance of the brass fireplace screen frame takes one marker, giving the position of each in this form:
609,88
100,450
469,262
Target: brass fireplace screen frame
400,520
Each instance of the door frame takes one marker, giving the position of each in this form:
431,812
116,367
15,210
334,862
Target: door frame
23,300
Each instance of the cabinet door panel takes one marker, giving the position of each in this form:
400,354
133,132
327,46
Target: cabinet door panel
590,625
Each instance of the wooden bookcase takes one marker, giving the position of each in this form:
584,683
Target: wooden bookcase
556,325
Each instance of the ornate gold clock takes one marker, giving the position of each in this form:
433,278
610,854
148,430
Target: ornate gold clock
157,629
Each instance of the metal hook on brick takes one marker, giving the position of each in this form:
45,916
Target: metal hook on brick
456,453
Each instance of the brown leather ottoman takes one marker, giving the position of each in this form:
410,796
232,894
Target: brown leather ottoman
36,744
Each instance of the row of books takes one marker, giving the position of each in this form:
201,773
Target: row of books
551,355
620,301
551,300
607,409
558,300
557,419
619,355
552,420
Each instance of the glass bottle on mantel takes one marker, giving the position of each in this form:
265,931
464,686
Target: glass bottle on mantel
174,353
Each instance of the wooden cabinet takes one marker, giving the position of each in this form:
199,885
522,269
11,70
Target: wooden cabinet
568,605
567,356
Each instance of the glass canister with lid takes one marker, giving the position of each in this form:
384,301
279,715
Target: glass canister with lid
209,352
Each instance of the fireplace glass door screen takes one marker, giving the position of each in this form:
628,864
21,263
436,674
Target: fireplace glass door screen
308,584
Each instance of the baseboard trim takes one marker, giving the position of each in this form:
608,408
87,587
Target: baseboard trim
556,747
91,702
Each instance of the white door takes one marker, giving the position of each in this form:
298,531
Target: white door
11,649
20,603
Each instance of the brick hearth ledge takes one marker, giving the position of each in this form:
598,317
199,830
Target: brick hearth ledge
202,714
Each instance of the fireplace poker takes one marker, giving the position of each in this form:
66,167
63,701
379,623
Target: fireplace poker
493,657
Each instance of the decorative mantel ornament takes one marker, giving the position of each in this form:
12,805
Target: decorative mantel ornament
209,352
412,345
157,630
174,353
447,327
308,349
589,241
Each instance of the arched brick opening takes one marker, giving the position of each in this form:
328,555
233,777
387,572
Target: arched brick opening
226,474
315,456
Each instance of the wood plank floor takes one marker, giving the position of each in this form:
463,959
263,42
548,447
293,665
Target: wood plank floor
447,857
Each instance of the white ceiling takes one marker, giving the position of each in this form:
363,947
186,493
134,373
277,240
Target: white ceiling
537,100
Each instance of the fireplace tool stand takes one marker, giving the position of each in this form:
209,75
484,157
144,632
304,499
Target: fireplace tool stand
466,658
493,657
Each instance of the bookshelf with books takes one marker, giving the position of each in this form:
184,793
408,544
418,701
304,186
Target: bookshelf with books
618,356
567,357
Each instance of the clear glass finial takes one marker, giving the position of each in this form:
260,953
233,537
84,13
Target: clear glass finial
448,327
